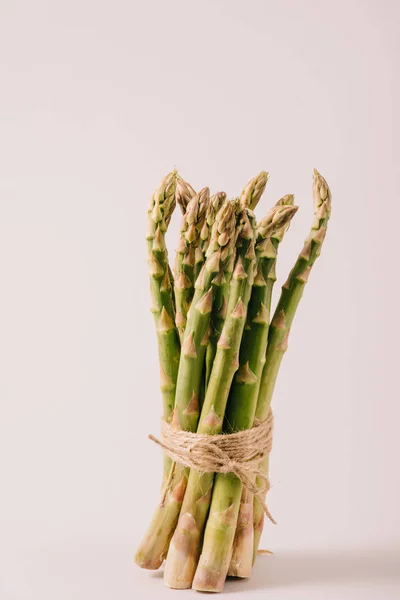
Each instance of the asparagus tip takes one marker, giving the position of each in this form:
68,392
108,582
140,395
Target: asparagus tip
184,193
252,192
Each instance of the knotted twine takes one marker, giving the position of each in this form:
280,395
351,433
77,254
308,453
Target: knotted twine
239,453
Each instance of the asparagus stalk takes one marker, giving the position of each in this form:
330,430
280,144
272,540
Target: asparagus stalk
192,224
292,292
162,205
218,538
242,552
221,284
216,202
249,198
218,315
184,549
160,210
154,546
183,194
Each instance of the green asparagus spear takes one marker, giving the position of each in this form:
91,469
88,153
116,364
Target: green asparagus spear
154,546
292,292
218,538
184,549
189,241
160,210
242,553
249,198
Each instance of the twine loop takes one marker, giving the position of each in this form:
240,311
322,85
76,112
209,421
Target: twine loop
239,453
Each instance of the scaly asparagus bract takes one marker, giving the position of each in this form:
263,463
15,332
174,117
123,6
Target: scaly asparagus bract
252,192
184,193
189,241
154,546
292,292
218,538
249,198
215,204
184,549
221,286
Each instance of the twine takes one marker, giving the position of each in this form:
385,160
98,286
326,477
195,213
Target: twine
239,453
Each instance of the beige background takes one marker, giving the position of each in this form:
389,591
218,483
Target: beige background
98,101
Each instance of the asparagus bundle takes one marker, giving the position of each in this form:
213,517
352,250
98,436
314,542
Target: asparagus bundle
185,544
219,360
